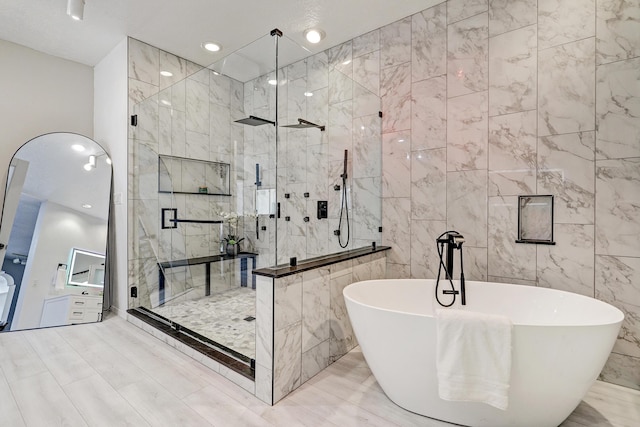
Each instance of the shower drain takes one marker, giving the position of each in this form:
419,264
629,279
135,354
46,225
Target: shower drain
249,318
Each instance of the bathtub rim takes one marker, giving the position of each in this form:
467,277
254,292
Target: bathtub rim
616,314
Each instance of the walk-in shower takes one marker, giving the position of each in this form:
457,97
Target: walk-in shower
246,149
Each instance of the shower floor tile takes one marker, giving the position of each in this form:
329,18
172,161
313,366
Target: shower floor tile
219,317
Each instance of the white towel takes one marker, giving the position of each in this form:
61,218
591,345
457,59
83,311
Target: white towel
60,279
473,357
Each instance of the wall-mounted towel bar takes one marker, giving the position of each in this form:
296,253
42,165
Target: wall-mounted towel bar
170,219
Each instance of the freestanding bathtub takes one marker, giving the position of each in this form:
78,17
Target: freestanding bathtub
560,342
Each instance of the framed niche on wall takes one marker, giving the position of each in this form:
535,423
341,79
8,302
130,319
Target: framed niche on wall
535,219
192,176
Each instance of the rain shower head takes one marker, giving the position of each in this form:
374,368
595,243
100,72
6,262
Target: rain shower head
255,121
304,124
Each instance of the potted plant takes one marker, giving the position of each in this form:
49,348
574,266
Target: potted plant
232,244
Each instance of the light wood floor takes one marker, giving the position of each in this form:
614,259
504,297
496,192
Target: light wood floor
114,374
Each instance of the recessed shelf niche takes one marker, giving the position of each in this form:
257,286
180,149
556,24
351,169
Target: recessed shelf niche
191,176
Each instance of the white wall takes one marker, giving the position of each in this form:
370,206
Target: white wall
58,229
110,124
40,94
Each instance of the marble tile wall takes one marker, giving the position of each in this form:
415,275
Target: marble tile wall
303,325
494,99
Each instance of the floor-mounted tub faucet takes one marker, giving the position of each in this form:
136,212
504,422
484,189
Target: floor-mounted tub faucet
452,240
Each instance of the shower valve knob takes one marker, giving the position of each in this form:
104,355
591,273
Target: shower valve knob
336,187
305,219
306,195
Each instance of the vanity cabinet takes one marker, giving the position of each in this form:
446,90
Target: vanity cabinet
71,309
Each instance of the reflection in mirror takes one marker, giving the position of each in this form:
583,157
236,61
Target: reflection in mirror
56,201
86,269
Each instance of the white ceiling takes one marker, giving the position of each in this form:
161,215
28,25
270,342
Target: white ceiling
181,26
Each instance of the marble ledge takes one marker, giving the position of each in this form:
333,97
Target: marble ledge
317,262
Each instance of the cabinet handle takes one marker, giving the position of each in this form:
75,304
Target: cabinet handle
77,313
78,302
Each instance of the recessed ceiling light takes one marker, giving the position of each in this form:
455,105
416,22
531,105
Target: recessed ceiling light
308,94
166,73
273,82
314,35
77,147
211,46
86,206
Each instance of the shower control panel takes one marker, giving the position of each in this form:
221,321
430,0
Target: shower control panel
323,209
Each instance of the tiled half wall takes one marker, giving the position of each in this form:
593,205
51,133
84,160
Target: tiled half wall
303,325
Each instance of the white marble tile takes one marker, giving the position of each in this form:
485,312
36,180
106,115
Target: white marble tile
172,64
467,56
617,30
512,71
562,22
566,88
196,147
148,126
318,112
429,43
618,207
429,113
287,360
361,269
467,137
512,281
568,265
144,62
396,164
366,43
458,10
475,264
220,89
512,154
424,253
264,383
395,90
339,59
287,301
367,156
395,43
138,92
339,130
506,257
342,338
622,370
366,71
197,106
508,15
396,229
398,271
618,283
565,165
365,103
429,184
315,360
367,210
618,109
316,300
467,205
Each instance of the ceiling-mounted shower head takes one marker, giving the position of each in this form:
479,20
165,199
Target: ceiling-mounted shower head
255,121
304,124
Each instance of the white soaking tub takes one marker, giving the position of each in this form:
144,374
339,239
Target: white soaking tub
560,342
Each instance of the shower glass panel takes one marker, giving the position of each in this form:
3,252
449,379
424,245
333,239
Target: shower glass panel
332,99
277,190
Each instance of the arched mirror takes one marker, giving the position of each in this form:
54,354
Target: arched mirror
53,234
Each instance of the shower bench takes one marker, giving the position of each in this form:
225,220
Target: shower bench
207,261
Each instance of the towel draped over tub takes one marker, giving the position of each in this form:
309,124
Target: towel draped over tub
473,357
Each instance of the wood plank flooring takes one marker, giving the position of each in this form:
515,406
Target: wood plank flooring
114,374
